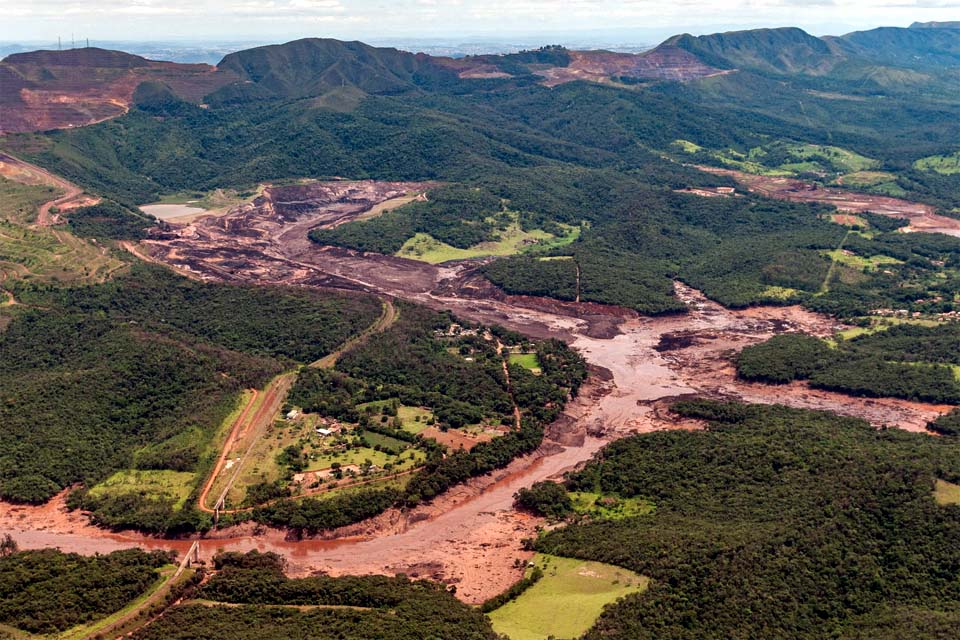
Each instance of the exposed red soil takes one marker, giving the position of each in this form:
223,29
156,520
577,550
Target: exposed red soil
456,439
61,89
663,63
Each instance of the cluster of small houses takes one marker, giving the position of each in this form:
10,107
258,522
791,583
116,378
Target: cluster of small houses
457,331
325,427
906,313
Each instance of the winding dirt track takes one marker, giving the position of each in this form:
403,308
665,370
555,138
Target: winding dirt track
24,172
471,536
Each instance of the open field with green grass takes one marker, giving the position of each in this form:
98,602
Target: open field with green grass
844,159
865,178
602,507
944,165
157,484
511,241
773,292
412,419
946,492
566,601
882,324
526,360
358,455
859,262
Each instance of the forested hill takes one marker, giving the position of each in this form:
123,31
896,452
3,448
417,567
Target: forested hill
790,50
313,66
583,149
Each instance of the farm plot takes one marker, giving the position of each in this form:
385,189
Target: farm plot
566,601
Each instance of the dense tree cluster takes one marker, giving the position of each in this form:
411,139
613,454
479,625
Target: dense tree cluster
905,361
346,608
108,220
49,591
947,424
762,530
139,371
456,215
547,499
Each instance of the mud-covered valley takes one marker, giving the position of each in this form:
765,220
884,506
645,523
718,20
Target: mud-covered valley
472,536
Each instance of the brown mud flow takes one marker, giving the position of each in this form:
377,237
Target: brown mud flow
922,217
471,536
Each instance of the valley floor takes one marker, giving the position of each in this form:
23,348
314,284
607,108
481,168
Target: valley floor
471,536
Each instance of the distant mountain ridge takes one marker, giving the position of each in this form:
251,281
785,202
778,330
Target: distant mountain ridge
58,89
791,50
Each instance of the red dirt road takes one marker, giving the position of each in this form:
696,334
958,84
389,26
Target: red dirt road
22,171
232,438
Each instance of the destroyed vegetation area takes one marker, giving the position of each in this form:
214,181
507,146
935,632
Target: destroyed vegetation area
546,344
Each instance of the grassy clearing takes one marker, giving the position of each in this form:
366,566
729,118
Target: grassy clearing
859,262
686,146
844,159
526,360
566,602
511,241
19,202
412,419
602,507
357,456
865,178
944,165
882,324
384,441
156,484
946,493
780,293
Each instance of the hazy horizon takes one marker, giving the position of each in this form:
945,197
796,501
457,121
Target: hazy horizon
561,21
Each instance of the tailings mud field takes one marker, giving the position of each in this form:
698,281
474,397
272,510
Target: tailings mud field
470,537
922,217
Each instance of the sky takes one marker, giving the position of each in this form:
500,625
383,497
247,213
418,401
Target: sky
373,20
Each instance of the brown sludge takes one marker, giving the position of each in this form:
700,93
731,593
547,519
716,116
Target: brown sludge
471,536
